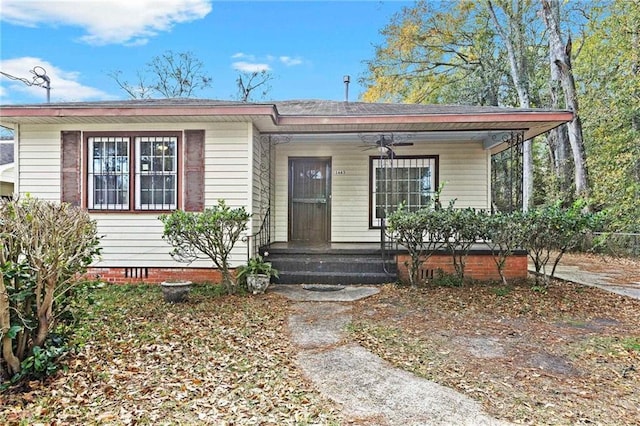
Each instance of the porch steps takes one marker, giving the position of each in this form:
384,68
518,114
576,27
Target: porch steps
332,268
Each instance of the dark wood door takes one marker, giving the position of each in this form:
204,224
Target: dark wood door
309,200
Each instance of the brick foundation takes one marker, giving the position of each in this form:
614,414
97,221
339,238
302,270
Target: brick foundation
478,266
154,275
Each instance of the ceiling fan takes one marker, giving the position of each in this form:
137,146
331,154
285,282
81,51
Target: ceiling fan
384,143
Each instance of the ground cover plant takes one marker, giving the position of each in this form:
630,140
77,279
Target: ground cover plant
215,359
566,355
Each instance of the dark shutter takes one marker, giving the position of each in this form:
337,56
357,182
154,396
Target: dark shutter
194,170
71,180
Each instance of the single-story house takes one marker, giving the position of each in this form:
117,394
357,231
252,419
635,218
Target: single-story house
317,175
6,167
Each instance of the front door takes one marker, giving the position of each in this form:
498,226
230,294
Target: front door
309,200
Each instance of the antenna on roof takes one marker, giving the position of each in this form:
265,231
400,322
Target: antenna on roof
347,80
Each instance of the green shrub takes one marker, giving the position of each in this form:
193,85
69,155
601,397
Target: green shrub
503,234
419,232
550,231
211,234
461,228
45,246
444,279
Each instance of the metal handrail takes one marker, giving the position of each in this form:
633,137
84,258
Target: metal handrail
260,238
387,244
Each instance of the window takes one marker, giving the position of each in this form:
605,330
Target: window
408,180
138,170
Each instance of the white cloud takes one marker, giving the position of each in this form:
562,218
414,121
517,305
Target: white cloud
289,61
241,55
250,67
130,22
64,84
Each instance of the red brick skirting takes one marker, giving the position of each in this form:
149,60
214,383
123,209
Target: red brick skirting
154,275
478,266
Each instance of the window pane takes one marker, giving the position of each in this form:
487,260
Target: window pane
156,168
109,173
403,180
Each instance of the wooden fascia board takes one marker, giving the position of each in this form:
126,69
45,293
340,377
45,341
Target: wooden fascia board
16,113
534,116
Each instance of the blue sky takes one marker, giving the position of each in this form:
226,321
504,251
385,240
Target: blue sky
308,46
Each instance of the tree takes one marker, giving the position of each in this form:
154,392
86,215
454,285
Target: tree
248,82
436,54
512,27
169,75
455,53
608,80
560,58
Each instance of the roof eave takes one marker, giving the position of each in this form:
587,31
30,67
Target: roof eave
18,112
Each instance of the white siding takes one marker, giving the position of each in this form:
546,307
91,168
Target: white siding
463,172
134,240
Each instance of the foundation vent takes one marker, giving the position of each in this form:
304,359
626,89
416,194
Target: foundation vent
140,272
425,274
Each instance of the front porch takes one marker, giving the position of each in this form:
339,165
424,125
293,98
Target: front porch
369,263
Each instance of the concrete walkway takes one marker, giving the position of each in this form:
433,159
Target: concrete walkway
600,280
370,390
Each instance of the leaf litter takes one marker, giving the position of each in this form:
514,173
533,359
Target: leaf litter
211,360
568,355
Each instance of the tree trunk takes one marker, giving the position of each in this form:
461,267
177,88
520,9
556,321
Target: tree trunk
514,42
558,143
560,57
558,138
13,363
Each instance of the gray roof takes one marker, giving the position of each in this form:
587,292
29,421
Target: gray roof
318,107
308,107
6,152
466,122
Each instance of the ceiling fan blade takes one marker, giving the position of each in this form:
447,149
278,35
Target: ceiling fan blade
402,144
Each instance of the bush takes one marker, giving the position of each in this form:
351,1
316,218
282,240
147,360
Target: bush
461,228
420,232
503,234
550,231
211,234
44,247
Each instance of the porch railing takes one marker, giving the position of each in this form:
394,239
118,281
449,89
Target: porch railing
388,246
260,238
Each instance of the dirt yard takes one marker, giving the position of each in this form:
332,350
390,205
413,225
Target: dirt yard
567,355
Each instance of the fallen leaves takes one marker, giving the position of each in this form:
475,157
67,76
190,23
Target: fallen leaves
212,360
568,356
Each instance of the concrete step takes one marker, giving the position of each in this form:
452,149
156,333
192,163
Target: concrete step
332,268
344,278
325,263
